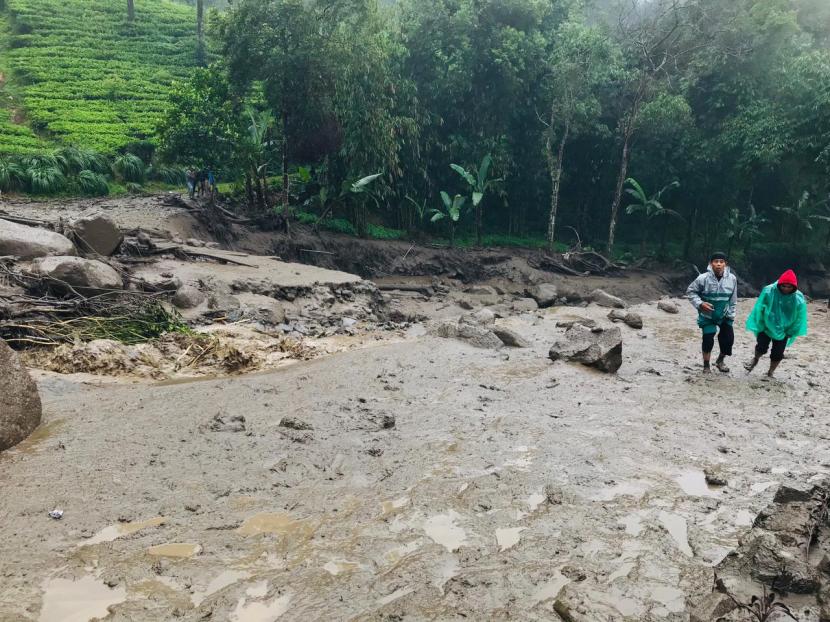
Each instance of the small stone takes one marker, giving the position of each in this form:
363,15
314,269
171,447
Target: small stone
668,307
295,424
714,476
604,299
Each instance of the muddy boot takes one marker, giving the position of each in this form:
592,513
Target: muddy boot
721,364
749,366
707,369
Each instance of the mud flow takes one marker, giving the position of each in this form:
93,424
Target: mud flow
405,448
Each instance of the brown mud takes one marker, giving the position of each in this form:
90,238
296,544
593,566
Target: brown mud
398,476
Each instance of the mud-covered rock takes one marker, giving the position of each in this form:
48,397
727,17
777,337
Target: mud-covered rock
466,329
20,408
266,310
32,242
485,317
524,305
295,424
595,347
604,299
668,306
712,607
188,297
97,235
581,321
714,476
220,296
510,337
634,320
83,275
545,294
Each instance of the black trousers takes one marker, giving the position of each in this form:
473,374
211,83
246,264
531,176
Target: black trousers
778,347
726,339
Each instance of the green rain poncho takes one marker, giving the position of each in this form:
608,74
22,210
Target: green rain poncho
779,316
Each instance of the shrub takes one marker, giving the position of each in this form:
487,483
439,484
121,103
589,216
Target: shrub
129,167
44,178
92,183
12,176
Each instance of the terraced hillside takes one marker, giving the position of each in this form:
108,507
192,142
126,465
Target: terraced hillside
77,72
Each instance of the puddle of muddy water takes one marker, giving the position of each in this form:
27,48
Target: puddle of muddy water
634,489
180,550
340,566
693,483
277,523
113,532
443,530
678,530
44,431
549,590
508,537
78,600
220,582
257,611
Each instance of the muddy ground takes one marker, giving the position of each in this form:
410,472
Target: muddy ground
410,478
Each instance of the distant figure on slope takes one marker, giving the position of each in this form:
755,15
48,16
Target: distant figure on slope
211,182
715,296
778,317
191,182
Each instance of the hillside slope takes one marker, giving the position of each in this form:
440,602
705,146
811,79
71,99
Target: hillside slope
77,72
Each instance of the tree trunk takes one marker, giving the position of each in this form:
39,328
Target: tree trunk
200,33
555,170
690,228
479,209
130,10
615,205
285,163
249,190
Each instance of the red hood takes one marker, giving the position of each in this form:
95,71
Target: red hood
788,278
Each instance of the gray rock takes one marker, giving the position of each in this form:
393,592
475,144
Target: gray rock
545,294
525,305
97,234
83,275
714,476
194,242
480,290
713,606
485,317
295,424
467,329
668,306
188,297
581,321
510,337
20,409
220,296
598,347
634,320
31,242
604,299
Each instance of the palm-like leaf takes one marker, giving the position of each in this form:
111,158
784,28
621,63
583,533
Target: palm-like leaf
468,177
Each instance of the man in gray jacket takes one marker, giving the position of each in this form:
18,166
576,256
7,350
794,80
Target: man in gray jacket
715,296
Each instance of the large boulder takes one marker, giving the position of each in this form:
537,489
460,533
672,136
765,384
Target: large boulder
97,235
82,275
31,242
510,337
20,408
545,294
595,347
467,329
604,299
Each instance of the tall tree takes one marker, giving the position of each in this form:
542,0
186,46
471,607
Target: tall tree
200,32
130,10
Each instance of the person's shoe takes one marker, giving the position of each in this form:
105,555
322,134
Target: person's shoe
750,365
722,366
707,369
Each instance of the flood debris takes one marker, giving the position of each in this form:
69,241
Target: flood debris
20,405
781,564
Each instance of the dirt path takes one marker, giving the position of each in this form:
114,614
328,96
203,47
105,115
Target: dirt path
436,481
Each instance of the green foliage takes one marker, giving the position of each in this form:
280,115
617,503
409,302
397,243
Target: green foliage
86,77
12,176
43,177
129,167
92,183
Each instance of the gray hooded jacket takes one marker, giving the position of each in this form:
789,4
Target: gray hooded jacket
721,293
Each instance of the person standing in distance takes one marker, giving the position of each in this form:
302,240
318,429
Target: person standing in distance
714,294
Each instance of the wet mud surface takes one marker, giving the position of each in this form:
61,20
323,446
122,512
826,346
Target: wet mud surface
418,480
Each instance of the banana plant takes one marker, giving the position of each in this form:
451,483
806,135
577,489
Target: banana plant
361,189
452,212
478,182
650,208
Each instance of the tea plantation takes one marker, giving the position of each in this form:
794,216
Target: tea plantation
78,72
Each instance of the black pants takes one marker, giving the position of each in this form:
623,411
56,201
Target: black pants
726,339
778,347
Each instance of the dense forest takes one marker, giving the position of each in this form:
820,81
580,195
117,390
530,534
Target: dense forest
665,127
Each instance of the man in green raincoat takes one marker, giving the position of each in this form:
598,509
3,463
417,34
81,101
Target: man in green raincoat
778,317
